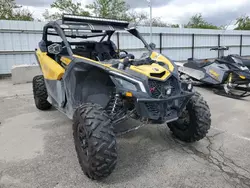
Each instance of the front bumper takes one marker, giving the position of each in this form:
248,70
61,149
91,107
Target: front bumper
155,102
167,110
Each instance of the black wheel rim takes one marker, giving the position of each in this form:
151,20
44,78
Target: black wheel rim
82,136
184,121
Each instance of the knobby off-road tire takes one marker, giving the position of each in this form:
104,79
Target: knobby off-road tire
95,141
40,93
195,121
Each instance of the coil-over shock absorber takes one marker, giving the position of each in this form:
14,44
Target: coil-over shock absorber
114,105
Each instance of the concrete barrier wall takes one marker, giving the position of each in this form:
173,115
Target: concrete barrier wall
24,73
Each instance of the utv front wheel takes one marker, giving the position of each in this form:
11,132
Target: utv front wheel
40,93
195,121
95,141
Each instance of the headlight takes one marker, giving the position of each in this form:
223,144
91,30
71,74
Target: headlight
169,91
187,86
128,82
125,84
190,87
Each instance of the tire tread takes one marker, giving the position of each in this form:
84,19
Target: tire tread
40,93
103,151
202,121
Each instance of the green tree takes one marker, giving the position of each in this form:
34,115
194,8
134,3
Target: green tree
197,21
156,22
174,25
23,14
119,9
136,18
115,9
48,16
243,23
65,7
9,10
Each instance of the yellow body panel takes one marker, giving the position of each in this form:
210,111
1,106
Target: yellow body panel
65,60
215,74
87,59
230,78
122,60
151,69
53,71
160,58
242,77
142,69
50,68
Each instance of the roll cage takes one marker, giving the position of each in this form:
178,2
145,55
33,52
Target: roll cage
70,25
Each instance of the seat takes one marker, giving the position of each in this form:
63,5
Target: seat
42,46
110,45
246,62
99,51
199,63
102,51
82,52
114,51
86,49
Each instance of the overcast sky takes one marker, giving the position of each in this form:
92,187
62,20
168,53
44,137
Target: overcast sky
219,12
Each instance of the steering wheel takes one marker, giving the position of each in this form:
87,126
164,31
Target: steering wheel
124,51
121,56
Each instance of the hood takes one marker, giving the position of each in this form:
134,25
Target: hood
161,69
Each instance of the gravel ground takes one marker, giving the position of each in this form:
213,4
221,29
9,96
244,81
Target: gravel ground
37,150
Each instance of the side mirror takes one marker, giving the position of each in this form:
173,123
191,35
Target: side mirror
152,46
55,48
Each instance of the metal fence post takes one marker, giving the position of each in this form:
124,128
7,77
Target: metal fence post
160,42
118,41
241,37
218,45
193,45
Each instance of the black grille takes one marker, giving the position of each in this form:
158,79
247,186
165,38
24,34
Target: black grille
153,108
158,89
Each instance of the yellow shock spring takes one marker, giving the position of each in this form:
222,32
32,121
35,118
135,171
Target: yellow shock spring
230,78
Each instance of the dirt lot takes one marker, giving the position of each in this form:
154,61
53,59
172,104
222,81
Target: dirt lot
37,150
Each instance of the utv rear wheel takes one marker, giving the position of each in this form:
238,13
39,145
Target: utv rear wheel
95,141
195,121
40,93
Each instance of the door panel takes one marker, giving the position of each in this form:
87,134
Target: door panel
56,91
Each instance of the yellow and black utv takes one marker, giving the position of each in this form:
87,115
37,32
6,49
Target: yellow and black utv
97,86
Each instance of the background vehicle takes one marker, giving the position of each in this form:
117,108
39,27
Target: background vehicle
98,86
228,73
232,57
